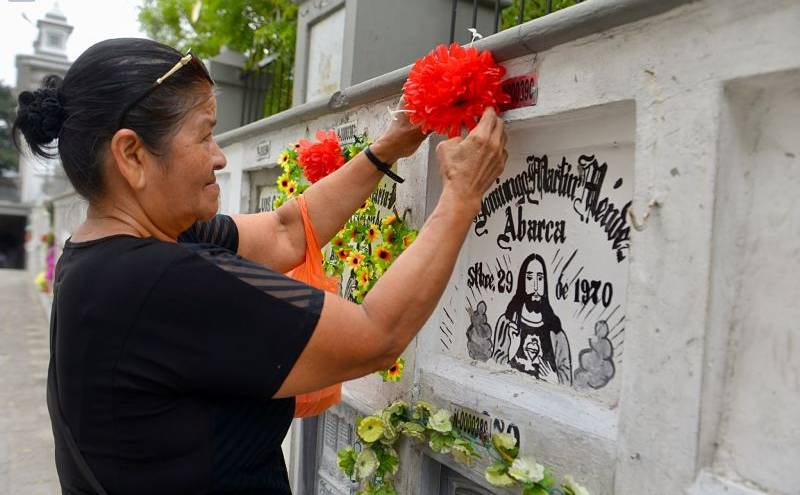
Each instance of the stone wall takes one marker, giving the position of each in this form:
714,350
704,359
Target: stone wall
649,197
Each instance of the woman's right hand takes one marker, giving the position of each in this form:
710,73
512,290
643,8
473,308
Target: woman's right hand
470,165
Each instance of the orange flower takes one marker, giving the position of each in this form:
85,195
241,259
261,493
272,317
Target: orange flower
355,260
343,254
389,220
383,254
338,242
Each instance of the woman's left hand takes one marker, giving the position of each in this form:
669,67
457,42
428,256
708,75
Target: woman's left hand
400,140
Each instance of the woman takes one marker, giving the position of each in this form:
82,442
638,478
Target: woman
178,344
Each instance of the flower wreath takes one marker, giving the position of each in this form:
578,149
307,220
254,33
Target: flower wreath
368,244
373,462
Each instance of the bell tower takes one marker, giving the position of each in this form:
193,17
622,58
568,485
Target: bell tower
53,34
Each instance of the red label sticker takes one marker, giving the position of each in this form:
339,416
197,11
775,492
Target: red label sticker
524,90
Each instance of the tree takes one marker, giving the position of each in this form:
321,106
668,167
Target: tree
261,30
533,9
257,29
8,154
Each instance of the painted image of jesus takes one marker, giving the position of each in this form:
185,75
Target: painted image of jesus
529,336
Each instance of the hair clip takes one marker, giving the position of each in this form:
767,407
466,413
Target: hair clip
183,61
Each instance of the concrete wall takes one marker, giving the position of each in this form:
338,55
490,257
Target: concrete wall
367,38
691,107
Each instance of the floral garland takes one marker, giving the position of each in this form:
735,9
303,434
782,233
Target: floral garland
373,461
368,244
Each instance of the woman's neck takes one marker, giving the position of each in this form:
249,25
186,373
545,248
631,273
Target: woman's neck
103,220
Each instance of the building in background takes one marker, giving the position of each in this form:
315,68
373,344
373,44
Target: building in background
40,180
13,218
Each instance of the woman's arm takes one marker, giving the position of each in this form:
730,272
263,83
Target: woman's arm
351,340
277,239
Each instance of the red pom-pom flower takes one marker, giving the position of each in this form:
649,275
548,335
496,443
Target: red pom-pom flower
321,158
451,87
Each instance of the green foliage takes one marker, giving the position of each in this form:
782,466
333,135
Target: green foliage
8,154
366,246
253,28
266,28
533,9
378,463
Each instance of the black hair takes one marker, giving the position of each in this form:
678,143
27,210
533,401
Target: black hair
85,109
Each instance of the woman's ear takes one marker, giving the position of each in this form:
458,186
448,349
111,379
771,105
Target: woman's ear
129,156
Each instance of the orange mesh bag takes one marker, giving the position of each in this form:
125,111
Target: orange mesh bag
311,272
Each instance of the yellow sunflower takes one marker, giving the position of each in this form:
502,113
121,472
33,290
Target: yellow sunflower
372,233
291,188
365,206
364,276
388,235
338,242
382,253
283,182
408,239
395,373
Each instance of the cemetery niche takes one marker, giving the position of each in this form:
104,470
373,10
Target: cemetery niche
543,289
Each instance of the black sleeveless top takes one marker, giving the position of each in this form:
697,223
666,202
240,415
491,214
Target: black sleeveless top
167,357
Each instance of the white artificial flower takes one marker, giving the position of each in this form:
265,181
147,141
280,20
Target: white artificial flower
366,464
440,421
505,441
526,469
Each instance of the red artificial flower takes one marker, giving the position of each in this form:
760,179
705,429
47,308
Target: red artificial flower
321,158
451,87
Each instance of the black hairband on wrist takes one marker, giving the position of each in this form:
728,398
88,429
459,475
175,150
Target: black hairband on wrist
382,166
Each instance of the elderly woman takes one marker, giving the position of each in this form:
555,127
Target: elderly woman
178,344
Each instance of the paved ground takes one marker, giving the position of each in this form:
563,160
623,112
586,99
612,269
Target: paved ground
26,440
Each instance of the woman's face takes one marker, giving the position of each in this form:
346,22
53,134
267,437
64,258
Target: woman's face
184,188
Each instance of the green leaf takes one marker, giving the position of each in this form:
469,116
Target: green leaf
497,467
440,442
346,459
533,489
548,481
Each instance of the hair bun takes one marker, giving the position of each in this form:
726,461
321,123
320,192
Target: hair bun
40,114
